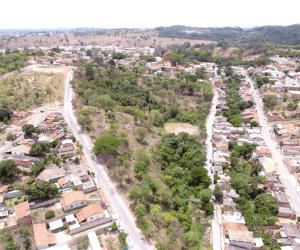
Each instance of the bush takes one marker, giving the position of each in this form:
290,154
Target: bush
114,226
58,195
57,161
49,214
30,181
16,202
298,218
76,159
65,226
74,188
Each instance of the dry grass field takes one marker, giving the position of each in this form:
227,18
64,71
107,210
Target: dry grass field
33,87
125,38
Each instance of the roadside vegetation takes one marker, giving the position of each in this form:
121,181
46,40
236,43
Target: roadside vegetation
124,113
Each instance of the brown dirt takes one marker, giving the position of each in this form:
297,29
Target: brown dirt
125,38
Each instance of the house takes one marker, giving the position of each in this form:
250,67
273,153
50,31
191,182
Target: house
274,115
293,94
19,115
43,239
21,162
291,230
218,160
291,150
239,238
228,204
90,213
230,194
287,212
53,115
45,139
23,214
271,181
236,217
67,150
3,188
19,150
263,151
67,143
28,142
218,170
286,141
233,226
278,187
58,135
269,166
286,132
293,164
222,147
63,183
282,199
73,200
49,126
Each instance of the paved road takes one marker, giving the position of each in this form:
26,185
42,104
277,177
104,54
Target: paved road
117,203
10,145
285,175
209,124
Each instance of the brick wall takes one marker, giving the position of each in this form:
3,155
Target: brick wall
23,163
90,225
281,204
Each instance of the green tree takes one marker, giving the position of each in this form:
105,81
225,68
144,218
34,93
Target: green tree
285,97
122,240
5,113
205,196
29,129
106,143
218,193
39,149
270,100
8,169
40,189
140,211
54,143
141,132
254,124
266,204
286,72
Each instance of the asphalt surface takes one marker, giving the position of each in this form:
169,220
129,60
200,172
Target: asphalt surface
278,158
138,241
209,155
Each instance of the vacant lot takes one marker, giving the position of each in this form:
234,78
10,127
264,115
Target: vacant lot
39,213
125,38
33,87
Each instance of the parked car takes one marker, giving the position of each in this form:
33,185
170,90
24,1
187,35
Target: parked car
211,170
210,161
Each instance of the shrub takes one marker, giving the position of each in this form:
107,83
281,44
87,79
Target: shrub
114,226
93,173
65,226
57,161
76,159
29,199
30,181
19,197
298,218
58,195
16,202
49,214
74,188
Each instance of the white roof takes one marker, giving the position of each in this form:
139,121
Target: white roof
67,141
258,242
62,247
56,224
70,218
94,241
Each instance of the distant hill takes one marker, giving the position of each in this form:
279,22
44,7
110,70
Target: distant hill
27,31
289,35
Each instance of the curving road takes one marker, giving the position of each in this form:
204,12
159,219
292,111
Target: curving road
139,243
285,175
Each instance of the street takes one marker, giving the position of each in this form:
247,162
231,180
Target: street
120,208
209,125
285,175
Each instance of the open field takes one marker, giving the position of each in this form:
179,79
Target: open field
33,87
125,38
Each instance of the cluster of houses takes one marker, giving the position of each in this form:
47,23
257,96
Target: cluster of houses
51,129
78,215
235,230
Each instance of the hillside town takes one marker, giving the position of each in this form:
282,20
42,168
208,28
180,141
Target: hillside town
254,166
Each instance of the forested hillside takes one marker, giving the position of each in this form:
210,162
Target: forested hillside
289,35
12,61
161,174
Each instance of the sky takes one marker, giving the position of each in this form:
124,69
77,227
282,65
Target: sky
20,14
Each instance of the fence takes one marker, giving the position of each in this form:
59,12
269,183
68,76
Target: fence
44,203
13,194
88,190
5,156
90,225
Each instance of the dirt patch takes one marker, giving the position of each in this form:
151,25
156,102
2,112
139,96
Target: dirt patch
181,127
33,87
39,213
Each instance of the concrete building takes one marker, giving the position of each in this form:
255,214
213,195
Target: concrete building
23,214
244,239
90,213
73,200
43,239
